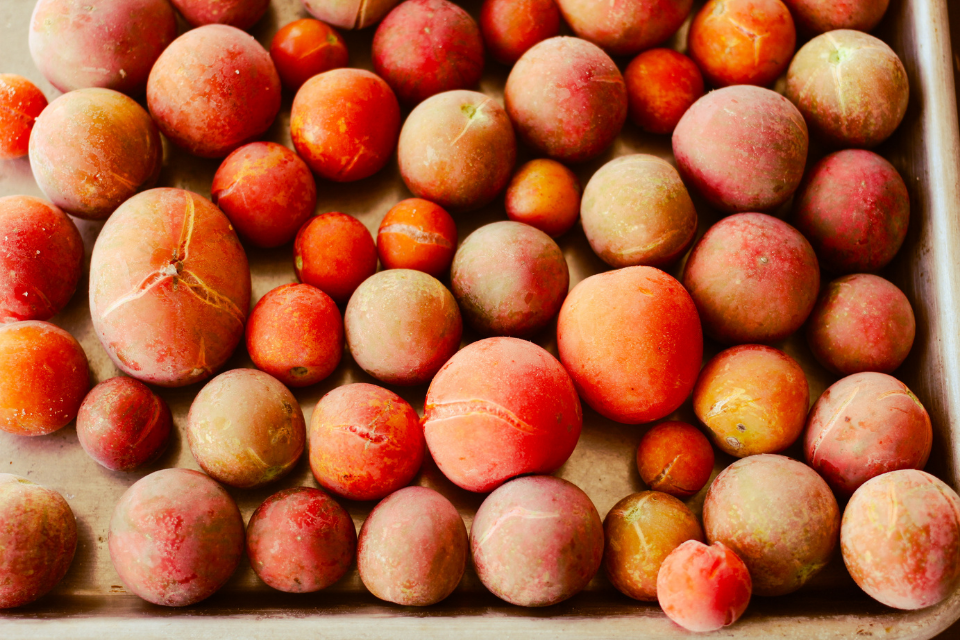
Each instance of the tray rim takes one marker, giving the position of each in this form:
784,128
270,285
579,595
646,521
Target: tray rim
933,75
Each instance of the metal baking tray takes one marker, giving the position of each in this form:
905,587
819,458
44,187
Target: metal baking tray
92,602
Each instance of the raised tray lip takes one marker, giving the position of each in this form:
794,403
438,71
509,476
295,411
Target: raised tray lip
939,119
932,85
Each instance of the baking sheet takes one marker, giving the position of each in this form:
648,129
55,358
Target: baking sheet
91,600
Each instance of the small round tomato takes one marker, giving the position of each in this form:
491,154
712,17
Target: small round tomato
304,48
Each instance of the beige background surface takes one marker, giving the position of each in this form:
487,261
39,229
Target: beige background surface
92,602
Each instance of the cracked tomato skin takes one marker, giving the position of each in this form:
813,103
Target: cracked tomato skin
245,428
457,149
851,88
742,41
417,234
639,532
365,442
536,541
349,14
752,399
413,548
300,540
169,288
176,536
865,425
305,48
266,191
92,149
499,408
900,539
675,458
37,540
44,376
426,47
345,123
